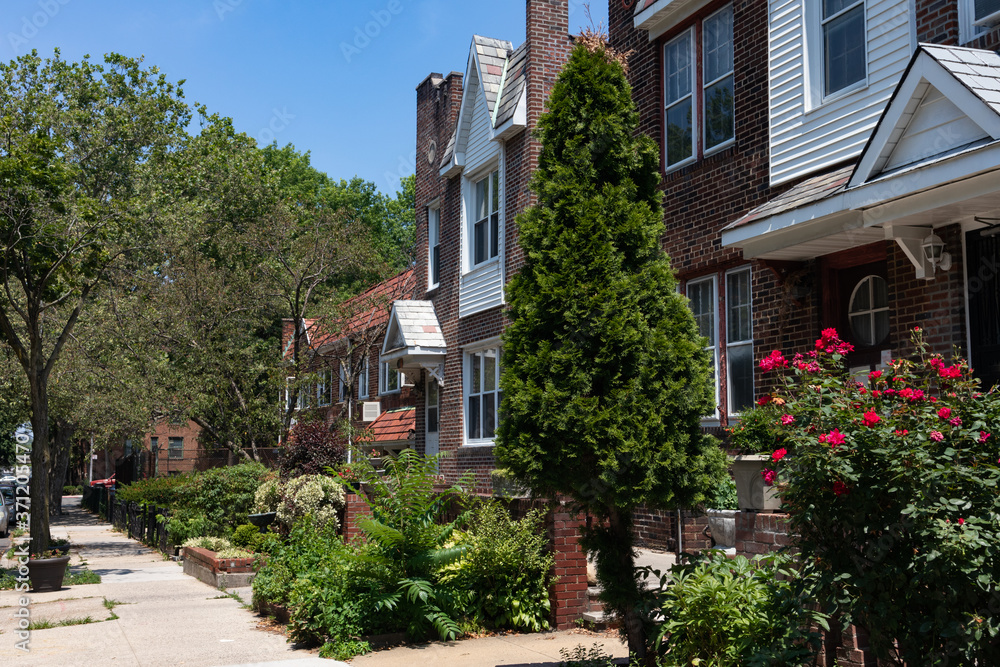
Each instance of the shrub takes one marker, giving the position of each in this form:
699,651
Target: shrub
507,567
156,491
210,543
312,446
267,497
248,536
72,490
186,525
226,494
316,495
723,496
724,612
892,489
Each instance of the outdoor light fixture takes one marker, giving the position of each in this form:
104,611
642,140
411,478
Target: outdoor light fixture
933,248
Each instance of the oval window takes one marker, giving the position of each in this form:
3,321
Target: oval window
869,311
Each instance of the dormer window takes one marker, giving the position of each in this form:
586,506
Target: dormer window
486,218
844,44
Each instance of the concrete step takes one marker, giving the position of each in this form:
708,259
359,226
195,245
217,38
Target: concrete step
595,620
593,598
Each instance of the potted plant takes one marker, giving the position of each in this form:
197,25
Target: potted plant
46,570
721,513
760,442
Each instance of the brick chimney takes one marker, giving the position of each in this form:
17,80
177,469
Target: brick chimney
439,99
549,44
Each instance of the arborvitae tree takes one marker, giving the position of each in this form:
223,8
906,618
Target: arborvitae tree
605,380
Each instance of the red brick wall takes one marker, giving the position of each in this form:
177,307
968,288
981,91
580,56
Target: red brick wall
355,507
937,23
569,593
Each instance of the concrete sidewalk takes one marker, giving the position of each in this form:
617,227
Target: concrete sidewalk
167,618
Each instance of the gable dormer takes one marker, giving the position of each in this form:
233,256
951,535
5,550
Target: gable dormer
948,101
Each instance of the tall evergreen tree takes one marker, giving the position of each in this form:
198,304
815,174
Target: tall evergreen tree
605,379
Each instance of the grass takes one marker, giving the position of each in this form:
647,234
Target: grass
110,606
45,625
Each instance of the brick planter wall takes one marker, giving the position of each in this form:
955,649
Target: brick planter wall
569,593
355,507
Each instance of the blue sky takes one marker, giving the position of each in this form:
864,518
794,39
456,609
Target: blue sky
295,72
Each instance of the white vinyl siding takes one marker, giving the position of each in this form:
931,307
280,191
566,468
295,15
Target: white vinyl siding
937,125
481,286
807,132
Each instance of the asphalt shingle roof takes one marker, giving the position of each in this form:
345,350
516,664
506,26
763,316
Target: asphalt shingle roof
977,69
418,326
492,55
513,85
806,192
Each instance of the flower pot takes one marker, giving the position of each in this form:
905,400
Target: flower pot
262,520
46,574
722,523
751,491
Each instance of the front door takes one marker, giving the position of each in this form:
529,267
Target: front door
982,267
431,422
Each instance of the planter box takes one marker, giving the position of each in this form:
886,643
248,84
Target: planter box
46,574
751,491
203,565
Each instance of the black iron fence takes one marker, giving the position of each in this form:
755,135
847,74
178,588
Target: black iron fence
144,523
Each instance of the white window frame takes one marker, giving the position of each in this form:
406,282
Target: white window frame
385,371
436,407
695,110
468,354
816,55
363,378
730,344
722,145
492,177
323,388
968,27
870,312
713,340
433,247
342,393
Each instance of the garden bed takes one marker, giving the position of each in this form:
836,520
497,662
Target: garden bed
205,566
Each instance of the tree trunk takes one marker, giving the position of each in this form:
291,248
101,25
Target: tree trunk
616,572
41,457
62,445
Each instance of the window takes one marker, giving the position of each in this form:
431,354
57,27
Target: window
977,17
363,379
739,340
486,218
482,384
679,72
175,448
433,405
342,394
869,311
699,88
844,44
323,387
717,42
389,379
703,295
154,445
433,247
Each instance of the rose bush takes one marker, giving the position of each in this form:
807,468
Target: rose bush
892,490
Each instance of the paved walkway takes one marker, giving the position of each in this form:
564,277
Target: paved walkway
167,618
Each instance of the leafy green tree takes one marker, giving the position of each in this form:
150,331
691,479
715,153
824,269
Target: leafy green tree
78,145
605,380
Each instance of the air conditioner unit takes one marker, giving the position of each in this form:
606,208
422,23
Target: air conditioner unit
370,411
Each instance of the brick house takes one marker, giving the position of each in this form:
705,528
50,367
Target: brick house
476,154
824,165
345,375
809,157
